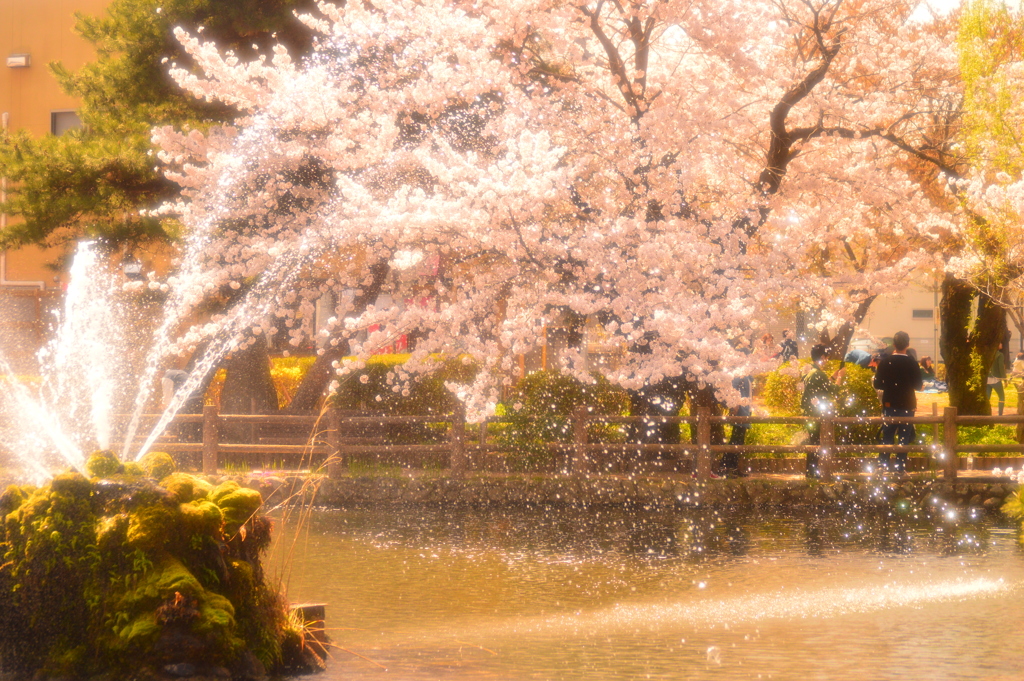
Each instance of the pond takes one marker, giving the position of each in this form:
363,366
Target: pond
551,595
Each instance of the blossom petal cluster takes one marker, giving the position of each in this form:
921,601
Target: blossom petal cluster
661,178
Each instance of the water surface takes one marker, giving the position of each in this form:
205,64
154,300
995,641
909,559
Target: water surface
551,595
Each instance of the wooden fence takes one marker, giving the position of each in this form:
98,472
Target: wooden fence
330,441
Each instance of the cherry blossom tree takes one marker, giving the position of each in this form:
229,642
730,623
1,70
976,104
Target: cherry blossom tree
674,172
985,280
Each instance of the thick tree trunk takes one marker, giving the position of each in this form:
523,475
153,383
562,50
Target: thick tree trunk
839,344
316,380
968,348
319,376
249,387
655,400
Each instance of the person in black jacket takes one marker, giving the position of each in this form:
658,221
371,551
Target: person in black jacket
898,376
788,349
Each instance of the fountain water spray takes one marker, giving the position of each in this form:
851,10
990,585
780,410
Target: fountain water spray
83,377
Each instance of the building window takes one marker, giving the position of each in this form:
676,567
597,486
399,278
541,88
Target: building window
923,314
62,121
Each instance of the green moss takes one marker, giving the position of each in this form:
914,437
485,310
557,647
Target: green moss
202,517
152,526
158,465
112,532
186,487
103,464
237,503
100,577
217,613
13,497
1013,507
133,469
71,485
140,631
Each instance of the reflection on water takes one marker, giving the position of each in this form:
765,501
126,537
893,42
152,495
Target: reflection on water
556,595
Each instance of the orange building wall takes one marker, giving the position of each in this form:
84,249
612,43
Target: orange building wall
44,29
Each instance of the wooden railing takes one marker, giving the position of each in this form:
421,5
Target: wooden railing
328,443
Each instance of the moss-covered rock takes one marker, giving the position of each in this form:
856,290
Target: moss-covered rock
238,504
111,576
202,517
186,487
158,465
152,526
133,469
103,463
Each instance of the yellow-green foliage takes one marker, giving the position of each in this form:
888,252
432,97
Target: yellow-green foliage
150,527
285,372
99,576
990,41
539,409
237,503
426,395
1013,507
857,397
157,465
781,393
202,517
186,487
132,468
103,463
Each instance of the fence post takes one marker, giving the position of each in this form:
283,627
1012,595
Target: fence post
1020,410
826,446
211,438
457,439
483,435
335,464
579,440
952,462
703,443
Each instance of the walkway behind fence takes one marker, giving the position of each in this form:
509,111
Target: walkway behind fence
329,441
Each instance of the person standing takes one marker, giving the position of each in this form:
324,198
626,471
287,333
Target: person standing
788,349
898,377
996,376
1017,368
819,398
729,464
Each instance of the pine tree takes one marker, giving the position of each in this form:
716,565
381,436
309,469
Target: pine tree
98,180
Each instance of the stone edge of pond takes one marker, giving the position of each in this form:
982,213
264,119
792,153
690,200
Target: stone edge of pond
601,492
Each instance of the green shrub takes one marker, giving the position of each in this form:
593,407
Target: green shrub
772,434
986,435
378,386
539,410
857,397
287,374
781,393
381,386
